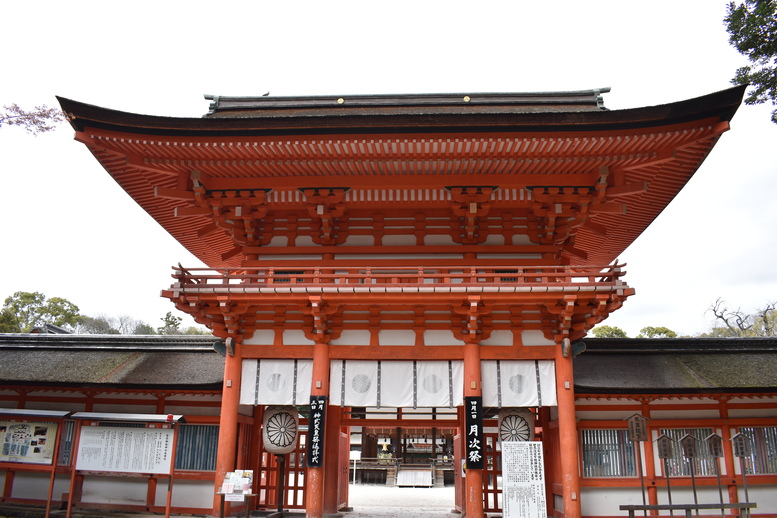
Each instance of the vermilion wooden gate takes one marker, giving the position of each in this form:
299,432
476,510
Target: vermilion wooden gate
343,472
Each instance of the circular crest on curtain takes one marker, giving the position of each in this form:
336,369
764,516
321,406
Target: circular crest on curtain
516,424
280,429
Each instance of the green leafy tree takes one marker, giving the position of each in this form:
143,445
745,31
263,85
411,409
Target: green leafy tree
24,311
8,321
656,332
608,332
752,29
38,120
144,329
170,325
99,325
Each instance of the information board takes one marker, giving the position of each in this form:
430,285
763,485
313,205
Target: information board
29,443
523,480
129,450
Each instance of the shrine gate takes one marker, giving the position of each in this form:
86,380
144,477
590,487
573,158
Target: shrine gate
439,252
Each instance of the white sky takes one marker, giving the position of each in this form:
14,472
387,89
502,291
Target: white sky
69,231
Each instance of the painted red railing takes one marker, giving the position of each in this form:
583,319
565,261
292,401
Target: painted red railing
257,277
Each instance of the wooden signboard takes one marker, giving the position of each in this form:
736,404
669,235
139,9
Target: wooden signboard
28,443
128,450
523,479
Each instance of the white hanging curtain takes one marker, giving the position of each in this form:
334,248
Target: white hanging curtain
396,383
518,383
276,382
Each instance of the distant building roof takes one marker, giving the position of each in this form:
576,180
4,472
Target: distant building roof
676,365
111,360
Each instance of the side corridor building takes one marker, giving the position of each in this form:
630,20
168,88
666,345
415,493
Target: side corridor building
411,262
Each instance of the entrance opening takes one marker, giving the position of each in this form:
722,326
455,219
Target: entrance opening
402,459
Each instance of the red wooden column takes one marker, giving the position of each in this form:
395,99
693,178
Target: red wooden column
567,432
473,482
230,401
332,458
315,490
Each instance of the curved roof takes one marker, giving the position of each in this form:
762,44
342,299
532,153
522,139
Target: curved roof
155,361
626,164
676,365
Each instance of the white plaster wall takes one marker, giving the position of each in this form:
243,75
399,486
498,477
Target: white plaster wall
115,490
187,493
399,240
189,410
278,241
764,496
684,413
499,337
605,501
604,415
261,337
353,337
124,409
304,241
440,337
396,337
750,412
34,486
535,337
438,240
495,239
684,495
357,240
295,337
53,405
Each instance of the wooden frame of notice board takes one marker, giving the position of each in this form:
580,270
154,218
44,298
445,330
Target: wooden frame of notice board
29,441
105,450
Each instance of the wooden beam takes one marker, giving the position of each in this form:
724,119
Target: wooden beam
623,190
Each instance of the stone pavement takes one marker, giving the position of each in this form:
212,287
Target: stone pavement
367,501
370,501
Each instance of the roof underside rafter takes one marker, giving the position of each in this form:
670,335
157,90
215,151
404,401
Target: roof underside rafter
584,183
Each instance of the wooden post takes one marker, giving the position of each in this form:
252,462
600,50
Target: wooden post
473,482
567,434
314,498
332,459
230,401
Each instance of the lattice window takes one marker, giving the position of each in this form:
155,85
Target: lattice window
763,447
608,453
197,447
678,465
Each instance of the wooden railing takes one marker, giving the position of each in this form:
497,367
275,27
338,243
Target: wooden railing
688,509
593,276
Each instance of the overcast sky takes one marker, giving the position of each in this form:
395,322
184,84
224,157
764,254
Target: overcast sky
69,231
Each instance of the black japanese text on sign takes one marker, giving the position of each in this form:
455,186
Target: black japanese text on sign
474,434
315,454
638,428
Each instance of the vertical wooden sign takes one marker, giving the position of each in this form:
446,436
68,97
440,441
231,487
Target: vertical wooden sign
315,446
473,407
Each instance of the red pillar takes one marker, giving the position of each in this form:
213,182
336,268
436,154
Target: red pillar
473,482
230,400
314,497
567,428
332,459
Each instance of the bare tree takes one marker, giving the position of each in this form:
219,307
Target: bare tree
738,323
38,120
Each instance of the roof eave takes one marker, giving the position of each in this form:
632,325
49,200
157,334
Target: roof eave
395,119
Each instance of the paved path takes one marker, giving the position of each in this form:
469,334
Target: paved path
367,501
381,501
